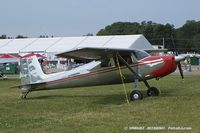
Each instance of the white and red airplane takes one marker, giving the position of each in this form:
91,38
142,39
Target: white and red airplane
103,69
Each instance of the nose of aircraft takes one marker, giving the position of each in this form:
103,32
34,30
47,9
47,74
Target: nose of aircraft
180,58
168,67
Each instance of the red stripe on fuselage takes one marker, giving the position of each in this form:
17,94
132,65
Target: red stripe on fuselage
140,63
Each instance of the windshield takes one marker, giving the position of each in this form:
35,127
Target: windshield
140,54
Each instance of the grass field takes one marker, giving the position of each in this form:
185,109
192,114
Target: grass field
101,109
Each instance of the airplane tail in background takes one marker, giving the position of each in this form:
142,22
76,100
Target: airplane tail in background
31,71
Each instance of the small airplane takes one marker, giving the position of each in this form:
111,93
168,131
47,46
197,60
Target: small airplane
104,67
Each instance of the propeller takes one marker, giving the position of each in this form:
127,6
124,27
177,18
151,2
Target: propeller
177,58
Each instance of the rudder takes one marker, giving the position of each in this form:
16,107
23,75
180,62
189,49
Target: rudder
31,71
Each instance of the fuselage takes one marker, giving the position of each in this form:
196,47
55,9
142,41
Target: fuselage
149,67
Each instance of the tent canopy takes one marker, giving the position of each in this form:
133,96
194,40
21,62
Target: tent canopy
7,58
61,44
32,54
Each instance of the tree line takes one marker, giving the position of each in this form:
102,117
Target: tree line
21,36
187,37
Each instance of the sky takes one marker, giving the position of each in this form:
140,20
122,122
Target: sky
33,18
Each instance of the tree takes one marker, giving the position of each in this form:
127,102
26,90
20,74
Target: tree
152,31
120,28
20,36
3,37
188,36
88,34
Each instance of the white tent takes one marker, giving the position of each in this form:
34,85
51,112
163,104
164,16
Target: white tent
61,44
4,42
65,43
15,45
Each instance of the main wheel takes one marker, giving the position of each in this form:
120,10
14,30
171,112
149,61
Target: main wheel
153,91
136,95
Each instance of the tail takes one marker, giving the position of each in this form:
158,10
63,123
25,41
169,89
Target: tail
31,71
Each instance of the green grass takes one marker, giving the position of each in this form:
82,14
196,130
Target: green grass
101,109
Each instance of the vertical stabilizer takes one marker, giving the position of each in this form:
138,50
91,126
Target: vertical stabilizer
31,71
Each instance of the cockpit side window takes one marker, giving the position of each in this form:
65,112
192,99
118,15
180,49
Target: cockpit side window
105,62
108,62
130,58
126,57
111,62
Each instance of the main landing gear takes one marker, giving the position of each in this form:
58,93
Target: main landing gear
137,95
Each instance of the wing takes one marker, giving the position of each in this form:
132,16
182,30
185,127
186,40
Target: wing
94,53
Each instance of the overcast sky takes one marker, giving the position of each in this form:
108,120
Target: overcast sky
79,17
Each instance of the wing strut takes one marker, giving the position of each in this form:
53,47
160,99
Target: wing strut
135,73
122,78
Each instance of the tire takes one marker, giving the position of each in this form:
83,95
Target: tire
136,95
153,91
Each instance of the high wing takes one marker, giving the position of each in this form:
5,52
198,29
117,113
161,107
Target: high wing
94,53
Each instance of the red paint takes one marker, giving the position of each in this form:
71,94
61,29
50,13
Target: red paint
169,66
